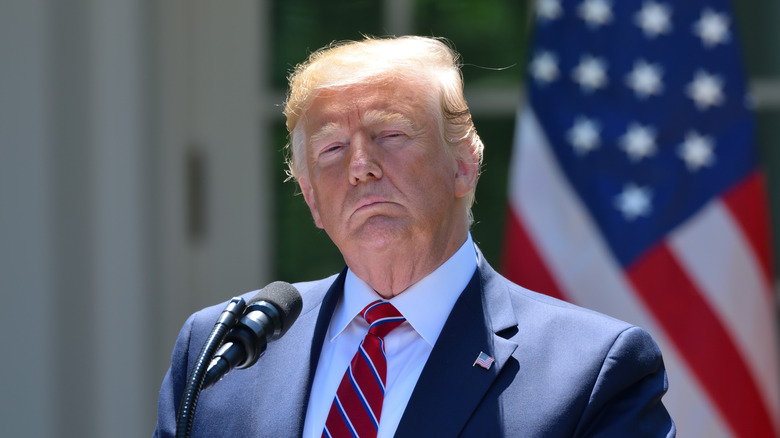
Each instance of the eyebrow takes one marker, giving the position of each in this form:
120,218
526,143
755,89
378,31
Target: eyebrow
371,118
325,131
376,117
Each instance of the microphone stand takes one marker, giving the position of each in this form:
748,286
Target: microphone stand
226,321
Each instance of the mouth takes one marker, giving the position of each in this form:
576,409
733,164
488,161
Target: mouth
369,203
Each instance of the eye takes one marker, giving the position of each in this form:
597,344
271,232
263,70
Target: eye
330,149
391,135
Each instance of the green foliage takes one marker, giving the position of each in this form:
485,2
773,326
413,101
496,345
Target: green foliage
303,26
490,35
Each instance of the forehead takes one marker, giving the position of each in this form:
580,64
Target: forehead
369,103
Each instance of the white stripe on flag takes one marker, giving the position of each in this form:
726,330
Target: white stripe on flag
713,251
569,243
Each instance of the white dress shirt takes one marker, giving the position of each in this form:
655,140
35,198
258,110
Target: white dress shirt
425,305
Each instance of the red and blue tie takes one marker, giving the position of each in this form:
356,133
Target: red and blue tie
357,407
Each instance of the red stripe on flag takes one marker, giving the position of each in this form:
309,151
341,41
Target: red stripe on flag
522,263
747,202
702,340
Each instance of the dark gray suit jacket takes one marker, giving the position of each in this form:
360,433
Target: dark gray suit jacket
559,371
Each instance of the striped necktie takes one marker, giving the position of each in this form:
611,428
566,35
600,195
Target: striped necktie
357,407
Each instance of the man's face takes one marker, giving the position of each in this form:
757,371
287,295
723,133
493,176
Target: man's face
379,175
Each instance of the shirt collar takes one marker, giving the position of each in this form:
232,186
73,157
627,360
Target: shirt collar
425,305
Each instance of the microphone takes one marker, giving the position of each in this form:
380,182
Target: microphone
267,317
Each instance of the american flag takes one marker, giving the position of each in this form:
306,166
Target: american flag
635,191
483,360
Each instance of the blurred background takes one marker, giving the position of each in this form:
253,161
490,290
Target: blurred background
142,175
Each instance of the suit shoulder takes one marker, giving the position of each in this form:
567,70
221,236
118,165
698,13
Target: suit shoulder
537,306
314,291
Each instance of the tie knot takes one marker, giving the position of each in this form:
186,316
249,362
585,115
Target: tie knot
382,317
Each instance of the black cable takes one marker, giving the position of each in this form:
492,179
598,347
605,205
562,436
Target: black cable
189,402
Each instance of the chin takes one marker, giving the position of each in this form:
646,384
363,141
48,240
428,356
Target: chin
378,236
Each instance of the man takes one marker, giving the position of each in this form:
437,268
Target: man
387,158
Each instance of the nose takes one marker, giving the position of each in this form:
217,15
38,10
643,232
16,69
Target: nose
364,162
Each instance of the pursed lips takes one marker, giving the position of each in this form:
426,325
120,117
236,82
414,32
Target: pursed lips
368,202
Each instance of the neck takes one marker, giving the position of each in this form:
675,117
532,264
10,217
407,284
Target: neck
393,270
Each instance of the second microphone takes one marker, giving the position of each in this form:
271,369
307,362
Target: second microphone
267,317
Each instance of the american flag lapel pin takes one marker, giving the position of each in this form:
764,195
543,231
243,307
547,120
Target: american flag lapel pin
483,360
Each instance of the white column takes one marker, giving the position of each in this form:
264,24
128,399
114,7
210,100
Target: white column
26,282
210,79
122,174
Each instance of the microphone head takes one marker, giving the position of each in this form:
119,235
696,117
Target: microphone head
287,300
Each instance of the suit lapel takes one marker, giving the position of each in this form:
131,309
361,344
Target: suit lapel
472,327
324,315
321,328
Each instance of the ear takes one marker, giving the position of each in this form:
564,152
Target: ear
466,173
308,196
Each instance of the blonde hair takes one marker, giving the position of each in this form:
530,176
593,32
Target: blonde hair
375,60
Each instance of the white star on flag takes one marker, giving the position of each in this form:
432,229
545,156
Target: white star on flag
645,79
696,151
584,135
595,12
638,142
548,9
654,19
706,90
712,28
590,73
633,201
544,67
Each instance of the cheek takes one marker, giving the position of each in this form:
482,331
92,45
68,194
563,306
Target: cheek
329,200
432,184
440,170
311,201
